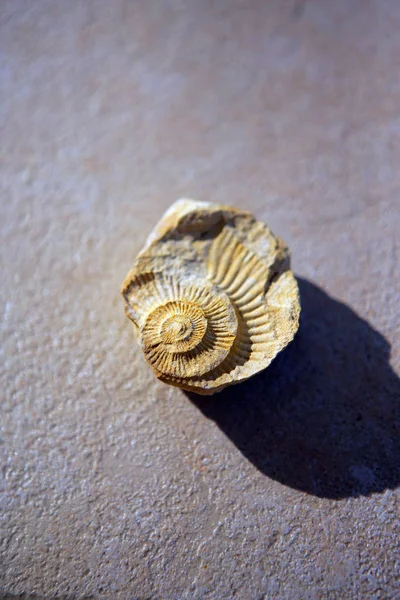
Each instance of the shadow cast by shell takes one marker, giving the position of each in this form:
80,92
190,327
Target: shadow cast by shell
324,418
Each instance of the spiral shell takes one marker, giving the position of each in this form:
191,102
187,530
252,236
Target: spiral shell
211,296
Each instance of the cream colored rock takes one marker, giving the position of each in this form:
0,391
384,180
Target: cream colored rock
211,296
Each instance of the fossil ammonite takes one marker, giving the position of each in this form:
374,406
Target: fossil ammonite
211,296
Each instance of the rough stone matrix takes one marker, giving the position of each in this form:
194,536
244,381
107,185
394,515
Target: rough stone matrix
211,296
115,486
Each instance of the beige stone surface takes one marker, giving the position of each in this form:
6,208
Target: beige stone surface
114,485
211,296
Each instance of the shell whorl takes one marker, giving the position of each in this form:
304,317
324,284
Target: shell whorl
187,331
208,309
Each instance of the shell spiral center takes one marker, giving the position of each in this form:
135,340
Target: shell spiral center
176,329
182,325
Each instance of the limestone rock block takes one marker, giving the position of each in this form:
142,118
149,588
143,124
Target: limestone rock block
211,296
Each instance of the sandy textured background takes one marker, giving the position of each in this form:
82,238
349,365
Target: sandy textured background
114,486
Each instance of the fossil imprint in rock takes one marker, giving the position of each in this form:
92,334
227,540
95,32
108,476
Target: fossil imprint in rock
211,296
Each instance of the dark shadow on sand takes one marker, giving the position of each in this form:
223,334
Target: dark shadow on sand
324,418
